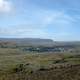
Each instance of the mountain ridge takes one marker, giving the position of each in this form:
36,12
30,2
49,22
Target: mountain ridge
29,41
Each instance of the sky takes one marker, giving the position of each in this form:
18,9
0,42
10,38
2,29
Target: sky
53,19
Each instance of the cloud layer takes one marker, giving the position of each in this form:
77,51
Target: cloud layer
47,24
5,6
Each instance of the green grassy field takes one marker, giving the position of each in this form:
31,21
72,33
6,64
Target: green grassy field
18,65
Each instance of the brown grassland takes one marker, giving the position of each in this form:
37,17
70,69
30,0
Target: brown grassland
17,65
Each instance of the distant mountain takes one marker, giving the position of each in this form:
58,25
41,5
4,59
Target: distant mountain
28,41
67,43
36,42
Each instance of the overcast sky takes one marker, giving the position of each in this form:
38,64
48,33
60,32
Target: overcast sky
55,19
